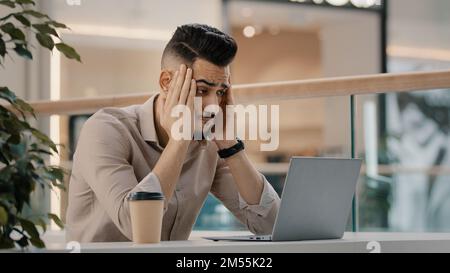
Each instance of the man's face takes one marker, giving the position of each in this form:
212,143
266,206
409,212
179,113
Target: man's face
213,83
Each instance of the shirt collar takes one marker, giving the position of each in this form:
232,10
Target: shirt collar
147,120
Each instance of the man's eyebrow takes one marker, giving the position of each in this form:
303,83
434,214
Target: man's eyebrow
212,84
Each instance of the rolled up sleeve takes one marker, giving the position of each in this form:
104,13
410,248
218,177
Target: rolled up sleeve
103,160
268,197
259,218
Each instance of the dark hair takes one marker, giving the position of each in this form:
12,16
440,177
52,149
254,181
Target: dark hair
193,41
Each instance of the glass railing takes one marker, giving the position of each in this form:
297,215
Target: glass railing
406,183
403,183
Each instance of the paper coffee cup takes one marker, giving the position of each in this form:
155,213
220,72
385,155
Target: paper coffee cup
146,210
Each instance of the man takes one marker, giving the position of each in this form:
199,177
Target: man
124,150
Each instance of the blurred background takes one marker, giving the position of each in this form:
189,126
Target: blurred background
403,138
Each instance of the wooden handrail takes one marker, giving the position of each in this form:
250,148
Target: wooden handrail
393,169
282,168
285,90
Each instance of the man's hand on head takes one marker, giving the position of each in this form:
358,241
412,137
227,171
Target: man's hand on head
182,89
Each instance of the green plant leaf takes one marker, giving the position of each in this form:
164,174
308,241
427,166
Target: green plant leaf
68,51
15,33
57,24
45,40
17,104
22,19
37,159
4,158
8,3
23,149
23,52
7,94
7,27
6,17
2,47
41,151
42,182
45,29
22,105
3,216
37,242
41,223
55,173
56,219
29,227
6,242
35,13
44,139
56,176
5,173
25,125
13,139
13,126
25,2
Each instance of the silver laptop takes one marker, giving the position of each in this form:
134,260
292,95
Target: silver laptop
315,203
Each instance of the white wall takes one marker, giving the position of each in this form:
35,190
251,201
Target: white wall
420,23
30,80
349,45
348,48
154,14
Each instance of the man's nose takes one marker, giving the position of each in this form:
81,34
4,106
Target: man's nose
212,99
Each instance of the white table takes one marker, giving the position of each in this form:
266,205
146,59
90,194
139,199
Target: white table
362,242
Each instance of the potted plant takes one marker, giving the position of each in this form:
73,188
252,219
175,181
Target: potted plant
23,149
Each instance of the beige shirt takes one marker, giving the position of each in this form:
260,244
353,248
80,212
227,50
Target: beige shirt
116,152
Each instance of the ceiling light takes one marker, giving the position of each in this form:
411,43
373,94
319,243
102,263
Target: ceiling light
249,31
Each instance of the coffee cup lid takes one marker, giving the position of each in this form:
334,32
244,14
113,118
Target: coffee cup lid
142,195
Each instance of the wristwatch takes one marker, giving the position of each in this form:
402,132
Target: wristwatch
239,146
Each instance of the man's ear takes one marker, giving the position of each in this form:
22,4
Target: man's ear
164,80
